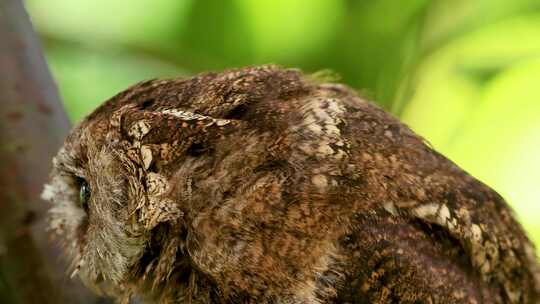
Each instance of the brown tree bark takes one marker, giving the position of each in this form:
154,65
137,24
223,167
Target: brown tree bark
32,127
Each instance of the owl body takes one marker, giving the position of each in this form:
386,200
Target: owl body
262,185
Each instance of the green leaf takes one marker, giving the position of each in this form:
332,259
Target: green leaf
476,101
87,77
140,22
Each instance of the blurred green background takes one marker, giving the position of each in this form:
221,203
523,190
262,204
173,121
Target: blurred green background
464,74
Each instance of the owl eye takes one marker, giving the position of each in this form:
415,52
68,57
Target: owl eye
84,194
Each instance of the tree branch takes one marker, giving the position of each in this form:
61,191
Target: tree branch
32,127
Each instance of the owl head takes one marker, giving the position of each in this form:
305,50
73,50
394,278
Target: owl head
123,199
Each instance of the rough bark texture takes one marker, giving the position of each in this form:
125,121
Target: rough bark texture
32,127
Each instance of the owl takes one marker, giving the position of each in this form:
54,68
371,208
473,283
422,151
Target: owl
265,185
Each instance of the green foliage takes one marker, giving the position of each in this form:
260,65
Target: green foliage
462,73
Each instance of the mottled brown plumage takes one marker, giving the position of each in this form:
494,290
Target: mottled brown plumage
261,185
